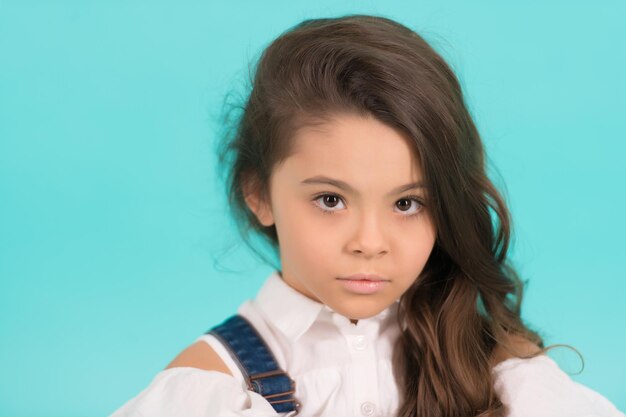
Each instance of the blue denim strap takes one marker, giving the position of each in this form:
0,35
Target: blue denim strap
256,362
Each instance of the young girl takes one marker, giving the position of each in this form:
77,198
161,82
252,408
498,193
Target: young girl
357,159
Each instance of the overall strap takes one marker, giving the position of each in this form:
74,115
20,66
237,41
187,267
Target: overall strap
257,363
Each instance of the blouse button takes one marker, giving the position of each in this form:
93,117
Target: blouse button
359,343
368,409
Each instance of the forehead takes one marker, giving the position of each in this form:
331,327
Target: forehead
356,147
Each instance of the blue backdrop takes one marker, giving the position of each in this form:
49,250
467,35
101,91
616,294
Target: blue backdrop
116,249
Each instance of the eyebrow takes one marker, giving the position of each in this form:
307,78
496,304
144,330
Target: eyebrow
320,179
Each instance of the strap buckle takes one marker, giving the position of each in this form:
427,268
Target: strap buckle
276,397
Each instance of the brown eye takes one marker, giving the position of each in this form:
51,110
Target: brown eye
404,204
330,200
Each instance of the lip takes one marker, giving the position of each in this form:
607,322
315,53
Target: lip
368,277
364,283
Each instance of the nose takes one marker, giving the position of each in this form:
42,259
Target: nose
369,237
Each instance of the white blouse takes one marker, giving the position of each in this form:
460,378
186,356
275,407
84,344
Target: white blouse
341,369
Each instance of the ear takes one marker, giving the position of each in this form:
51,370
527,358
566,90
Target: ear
257,204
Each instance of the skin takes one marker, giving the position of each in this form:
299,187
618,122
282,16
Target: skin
365,229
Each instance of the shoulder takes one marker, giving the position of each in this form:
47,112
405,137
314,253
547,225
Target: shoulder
209,352
538,387
201,356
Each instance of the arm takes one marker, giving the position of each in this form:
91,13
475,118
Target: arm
196,383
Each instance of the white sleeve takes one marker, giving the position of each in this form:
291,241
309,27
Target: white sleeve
538,387
193,392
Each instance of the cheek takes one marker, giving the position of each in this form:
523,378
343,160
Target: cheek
418,244
304,233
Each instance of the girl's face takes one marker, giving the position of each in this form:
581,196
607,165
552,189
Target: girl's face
349,201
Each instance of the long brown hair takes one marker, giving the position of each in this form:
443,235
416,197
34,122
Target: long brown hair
466,302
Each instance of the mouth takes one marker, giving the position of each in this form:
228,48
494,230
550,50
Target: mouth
363,283
364,277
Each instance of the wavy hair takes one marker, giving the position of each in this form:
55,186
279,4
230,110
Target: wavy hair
466,301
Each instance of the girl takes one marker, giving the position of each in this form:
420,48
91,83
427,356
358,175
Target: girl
357,159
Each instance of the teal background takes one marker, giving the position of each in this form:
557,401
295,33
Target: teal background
116,249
